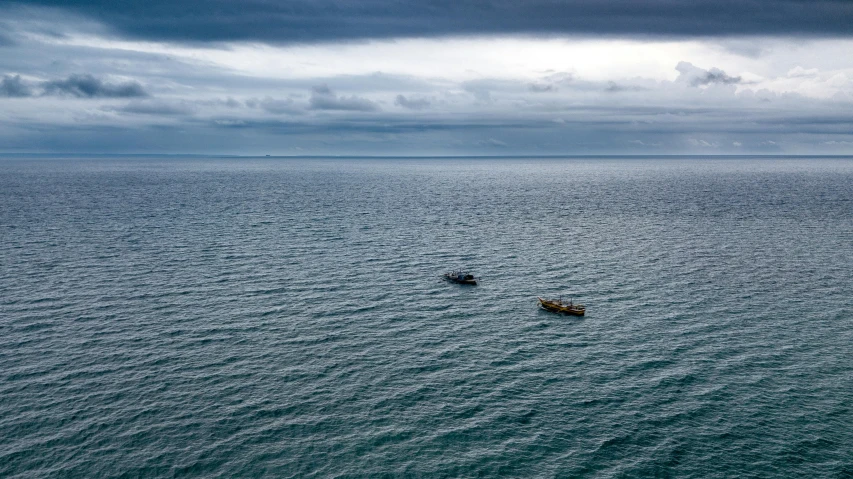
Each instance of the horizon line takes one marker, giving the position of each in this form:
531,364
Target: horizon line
327,156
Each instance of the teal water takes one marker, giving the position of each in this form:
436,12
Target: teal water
286,318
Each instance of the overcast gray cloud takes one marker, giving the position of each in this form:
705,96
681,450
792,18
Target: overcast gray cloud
87,86
323,98
541,87
271,105
412,103
75,85
155,108
76,79
334,20
13,86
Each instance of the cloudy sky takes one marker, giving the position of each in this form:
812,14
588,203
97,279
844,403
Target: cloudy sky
427,77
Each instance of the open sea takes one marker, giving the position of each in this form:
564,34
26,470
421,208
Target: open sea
269,317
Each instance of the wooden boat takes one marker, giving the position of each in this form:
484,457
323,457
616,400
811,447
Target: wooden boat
461,277
560,306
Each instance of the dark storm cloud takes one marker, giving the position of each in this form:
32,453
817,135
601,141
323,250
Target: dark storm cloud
13,86
334,20
78,85
87,86
323,98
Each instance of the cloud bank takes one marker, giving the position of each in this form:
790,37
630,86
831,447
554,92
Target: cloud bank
76,85
87,86
411,103
540,77
14,87
340,20
323,98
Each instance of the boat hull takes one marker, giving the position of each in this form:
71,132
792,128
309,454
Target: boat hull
471,282
562,309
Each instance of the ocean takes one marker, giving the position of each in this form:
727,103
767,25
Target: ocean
286,317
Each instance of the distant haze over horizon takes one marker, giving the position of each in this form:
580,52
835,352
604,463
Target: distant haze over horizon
385,78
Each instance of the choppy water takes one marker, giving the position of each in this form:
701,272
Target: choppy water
285,318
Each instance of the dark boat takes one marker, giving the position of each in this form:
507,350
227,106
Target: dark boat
560,306
461,277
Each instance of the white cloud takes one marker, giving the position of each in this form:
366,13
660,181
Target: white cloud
493,143
699,77
702,143
799,71
530,60
646,143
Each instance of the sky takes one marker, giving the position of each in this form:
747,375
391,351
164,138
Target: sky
427,78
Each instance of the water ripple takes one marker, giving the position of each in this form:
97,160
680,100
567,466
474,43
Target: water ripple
287,318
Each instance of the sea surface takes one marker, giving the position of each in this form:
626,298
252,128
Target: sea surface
282,317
